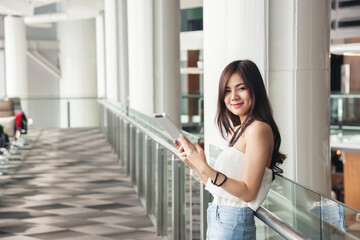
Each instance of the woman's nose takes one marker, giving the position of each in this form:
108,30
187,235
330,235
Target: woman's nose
234,95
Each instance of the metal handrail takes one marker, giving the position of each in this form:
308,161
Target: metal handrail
277,225
141,128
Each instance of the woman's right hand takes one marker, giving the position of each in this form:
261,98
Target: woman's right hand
181,152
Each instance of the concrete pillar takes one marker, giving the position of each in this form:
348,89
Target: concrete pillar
237,32
100,56
123,58
2,73
299,87
111,49
15,57
78,71
167,80
140,40
289,41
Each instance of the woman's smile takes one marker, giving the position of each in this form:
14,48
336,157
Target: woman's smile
236,105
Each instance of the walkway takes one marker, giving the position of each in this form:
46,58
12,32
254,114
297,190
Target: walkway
70,186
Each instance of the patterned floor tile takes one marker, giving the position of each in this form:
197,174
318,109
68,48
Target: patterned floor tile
68,188
97,229
65,234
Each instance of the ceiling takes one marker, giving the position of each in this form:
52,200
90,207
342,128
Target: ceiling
22,7
26,7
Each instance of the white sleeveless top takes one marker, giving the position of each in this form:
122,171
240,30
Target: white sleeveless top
231,163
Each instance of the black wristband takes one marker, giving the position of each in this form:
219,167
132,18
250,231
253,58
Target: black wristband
225,178
216,177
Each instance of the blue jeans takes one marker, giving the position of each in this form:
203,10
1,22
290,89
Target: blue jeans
231,223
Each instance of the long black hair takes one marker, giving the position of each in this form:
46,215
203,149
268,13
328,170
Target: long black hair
260,108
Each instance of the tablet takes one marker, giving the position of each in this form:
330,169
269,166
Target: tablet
168,125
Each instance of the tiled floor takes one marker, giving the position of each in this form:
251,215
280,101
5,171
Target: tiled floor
70,186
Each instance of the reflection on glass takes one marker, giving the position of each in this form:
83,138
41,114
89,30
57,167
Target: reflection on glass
345,110
143,172
312,214
55,112
168,173
263,231
154,181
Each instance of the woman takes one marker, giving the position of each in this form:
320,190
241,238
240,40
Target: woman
243,172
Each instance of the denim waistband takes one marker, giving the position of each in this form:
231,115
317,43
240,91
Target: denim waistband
244,214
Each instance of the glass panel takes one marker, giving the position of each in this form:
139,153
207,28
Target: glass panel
195,206
214,152
45,113
143,166
55,112
333,219
263,231
311,214
169,191
345,110
136,156
188,202
295,206
352,221
154,179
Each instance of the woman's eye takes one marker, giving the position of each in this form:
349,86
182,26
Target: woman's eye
227,91
241,89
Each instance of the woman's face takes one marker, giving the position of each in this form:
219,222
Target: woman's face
237,96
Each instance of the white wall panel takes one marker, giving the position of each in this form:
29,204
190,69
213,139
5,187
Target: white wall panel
111,49
283,107
299,46
140,40
123,57
232,30
167,82
100,56
78,69
15,57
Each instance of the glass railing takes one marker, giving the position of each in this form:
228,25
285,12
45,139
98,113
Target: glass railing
163,183
345,111
61,112
307,213
177,204
313,215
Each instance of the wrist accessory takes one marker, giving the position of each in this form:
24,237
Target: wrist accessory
216,178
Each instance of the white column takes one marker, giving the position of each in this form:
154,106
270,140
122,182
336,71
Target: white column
2,74
111,49
289,41
167,80
15,57
232,30
78,71
123,58
140,32
299,37
100,56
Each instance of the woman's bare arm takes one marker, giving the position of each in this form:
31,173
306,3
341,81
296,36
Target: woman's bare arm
259,147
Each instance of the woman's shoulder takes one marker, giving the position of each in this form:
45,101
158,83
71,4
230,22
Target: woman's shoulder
259,128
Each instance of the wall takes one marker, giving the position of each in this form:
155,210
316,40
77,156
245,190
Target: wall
140,40
238,32
289,41
78,71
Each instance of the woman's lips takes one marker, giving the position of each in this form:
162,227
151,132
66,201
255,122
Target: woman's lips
236,105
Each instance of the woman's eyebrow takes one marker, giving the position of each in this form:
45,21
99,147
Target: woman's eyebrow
237,85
